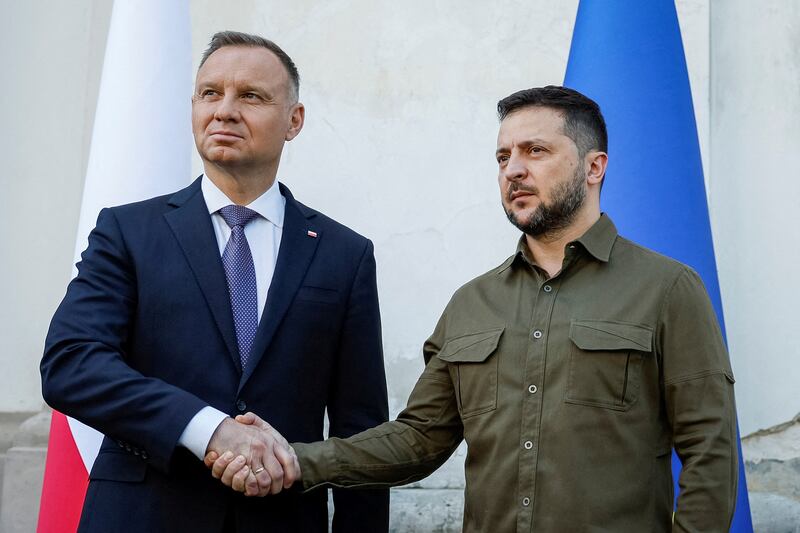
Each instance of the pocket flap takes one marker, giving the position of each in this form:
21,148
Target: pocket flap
602,335
115,465
318,294
471,348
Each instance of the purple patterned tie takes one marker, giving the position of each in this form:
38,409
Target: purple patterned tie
241,275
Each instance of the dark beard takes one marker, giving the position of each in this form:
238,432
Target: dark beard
549,219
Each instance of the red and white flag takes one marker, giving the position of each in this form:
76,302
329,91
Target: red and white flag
141,147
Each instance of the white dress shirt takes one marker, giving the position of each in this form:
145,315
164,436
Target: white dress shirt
264,237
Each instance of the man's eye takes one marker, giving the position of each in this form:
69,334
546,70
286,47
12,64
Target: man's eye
502,159
208,92
536,149
250,96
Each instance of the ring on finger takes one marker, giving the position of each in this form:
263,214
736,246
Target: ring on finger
259,470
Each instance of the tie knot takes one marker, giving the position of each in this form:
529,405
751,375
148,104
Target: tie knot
237,215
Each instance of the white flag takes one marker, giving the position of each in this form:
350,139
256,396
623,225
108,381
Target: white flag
141,141
141,147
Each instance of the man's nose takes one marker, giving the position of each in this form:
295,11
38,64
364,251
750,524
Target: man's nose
227,108
515,169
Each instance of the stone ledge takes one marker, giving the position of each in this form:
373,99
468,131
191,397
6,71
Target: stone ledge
772,460
34,431
426,510
773,513
22,488
774,476
9,423
780,442
772,466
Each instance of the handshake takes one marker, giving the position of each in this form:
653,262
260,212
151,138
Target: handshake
250,456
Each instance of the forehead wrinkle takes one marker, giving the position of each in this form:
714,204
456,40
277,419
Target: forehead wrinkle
524,143
257,71
532,125
514,144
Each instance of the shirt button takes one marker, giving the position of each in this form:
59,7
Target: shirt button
241,406
547,288
532,389
528,445
526,501
537,334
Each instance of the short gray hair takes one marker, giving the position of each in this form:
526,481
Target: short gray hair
237,38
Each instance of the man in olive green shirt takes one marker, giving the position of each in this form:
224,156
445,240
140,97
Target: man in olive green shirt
571,370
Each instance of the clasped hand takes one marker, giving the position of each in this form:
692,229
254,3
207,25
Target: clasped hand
250,456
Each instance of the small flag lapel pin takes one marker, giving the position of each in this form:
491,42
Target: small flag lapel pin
312,234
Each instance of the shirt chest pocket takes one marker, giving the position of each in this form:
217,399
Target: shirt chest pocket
472,362
605,363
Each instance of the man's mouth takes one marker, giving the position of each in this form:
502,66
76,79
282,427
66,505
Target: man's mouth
517,192
225,135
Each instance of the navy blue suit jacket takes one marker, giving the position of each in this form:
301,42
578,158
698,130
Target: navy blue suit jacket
144,338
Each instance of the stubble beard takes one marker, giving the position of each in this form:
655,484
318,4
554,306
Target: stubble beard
551,218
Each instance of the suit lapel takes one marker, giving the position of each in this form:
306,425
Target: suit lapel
192,227
294,257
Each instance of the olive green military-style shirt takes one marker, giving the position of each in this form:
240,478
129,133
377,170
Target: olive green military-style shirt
570,392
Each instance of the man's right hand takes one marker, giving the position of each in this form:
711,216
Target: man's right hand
253,459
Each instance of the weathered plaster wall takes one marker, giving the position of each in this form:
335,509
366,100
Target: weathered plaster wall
755,133
51,57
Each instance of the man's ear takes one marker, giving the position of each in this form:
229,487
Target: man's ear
596,163
297,116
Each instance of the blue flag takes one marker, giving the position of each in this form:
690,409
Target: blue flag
628,57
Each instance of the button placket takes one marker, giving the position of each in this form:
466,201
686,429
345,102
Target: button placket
532,405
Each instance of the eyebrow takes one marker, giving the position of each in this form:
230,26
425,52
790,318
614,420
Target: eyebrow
524,144
254,89
244,88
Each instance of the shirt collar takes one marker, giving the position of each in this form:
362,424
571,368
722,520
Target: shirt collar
270,205
598,241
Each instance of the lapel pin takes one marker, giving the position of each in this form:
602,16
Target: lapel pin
312,234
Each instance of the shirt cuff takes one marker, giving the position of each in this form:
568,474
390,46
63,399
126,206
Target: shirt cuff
200,429
317,460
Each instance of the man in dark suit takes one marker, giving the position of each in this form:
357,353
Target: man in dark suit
227,296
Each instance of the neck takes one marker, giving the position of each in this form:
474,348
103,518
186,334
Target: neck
241,186
548,249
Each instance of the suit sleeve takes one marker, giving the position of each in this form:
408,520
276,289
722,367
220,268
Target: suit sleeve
358,399
84,371
698,391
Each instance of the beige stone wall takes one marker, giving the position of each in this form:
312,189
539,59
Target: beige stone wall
755,133
51,53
